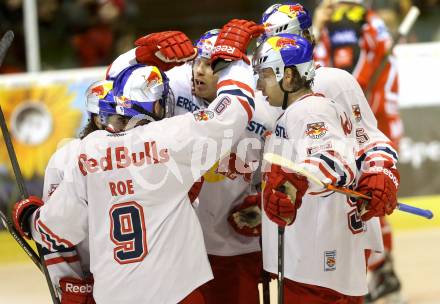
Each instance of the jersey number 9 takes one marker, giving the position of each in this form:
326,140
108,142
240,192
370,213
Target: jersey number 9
128,233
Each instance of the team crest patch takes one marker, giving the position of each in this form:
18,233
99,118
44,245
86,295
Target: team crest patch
316,130
356,112
203,115
330,260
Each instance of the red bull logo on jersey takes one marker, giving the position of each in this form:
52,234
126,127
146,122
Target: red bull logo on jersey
120,157
279,43
316,130
356,112
203,115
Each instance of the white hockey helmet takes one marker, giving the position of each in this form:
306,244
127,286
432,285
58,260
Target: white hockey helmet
95,92
291,18
282,51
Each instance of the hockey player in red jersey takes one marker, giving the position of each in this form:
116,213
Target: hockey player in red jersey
154,235
355,39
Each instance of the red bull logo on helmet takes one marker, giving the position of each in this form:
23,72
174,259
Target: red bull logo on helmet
316,130
101,90
154,78
278,43
123,102
292,10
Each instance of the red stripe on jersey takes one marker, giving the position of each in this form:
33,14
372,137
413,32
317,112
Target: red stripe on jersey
53,235
322,168
346,166
380,155
371,146
247,107
58,260
239,84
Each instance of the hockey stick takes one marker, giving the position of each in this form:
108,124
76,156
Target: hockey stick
280,265
284,162
4,45
24,195
404,29
5,42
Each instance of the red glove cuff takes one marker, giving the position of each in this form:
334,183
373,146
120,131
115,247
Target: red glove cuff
21,213
76,291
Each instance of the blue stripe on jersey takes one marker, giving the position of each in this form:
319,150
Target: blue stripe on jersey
46,251
239,92
53,242
383,149
335,167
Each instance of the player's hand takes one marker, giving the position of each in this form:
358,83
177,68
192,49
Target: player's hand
165,49
233,40
246,217
283,193
22,211
194,192
382,186
76,291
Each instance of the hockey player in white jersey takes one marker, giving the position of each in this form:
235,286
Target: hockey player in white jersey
229,186
374,148
325,253
145,239
71,266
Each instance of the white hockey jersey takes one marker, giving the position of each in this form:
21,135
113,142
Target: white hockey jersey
223,188
325,245
226,187
67,262
128,192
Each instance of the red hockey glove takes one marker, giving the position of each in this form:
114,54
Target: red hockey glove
22,211
165,49
194,192
233,40
382,186
283,194
246,217
76,291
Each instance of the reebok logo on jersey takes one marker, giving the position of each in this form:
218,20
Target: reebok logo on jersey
121,157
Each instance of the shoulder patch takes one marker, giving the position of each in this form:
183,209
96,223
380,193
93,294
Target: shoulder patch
203,115
316,130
